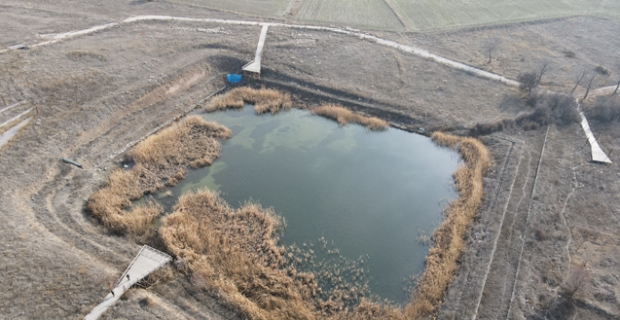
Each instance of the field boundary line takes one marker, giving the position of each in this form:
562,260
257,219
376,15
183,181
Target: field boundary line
396,13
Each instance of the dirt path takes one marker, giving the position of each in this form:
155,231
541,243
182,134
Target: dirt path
499,286
52,195
54,38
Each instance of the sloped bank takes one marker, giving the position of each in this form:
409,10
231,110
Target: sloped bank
233,254
447,239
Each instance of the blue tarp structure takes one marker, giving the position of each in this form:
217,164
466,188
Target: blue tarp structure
233,78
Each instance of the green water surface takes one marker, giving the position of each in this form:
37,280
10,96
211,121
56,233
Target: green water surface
370,193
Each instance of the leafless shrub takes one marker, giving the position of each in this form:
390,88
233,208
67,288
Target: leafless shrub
490,47
558,108
545,108
540,233
568,54
528,81
481,129
606,109
602,71
579,281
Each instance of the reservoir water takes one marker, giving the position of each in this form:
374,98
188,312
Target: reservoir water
368,193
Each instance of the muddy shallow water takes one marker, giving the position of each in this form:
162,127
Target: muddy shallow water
370,193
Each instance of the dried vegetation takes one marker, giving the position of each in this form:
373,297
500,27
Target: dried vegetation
264,100
544,108
233,253
160,159
447,239
344,116
606,109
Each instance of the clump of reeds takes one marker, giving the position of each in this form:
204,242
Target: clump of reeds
264,100
234,254
160,159
112,205
447,239
344,116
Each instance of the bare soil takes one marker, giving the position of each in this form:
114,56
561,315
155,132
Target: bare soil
95,94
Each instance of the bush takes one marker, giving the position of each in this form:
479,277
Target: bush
528,80
481,129
607,109
602,71
558,108
546,108
568,54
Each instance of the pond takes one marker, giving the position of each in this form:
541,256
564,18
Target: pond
370,194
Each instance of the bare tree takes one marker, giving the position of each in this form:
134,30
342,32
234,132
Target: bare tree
618,85
578,281
542,69
579,77
589,86
490,47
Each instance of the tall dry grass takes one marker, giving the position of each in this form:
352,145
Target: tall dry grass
264,100
112,205
344,116
447,239
160,159
234,254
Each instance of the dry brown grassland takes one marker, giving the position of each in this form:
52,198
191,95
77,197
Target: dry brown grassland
344,116
233,253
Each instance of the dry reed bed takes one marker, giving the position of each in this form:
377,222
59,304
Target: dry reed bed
447,239
264,100
344,116
160,159
233,254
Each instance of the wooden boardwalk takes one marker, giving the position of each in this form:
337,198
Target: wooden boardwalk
147,261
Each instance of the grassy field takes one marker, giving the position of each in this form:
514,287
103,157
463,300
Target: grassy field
413,15
256,8
375,14
430,14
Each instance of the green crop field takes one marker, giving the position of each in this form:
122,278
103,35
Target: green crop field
375,14
412,15
423,15
257,8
